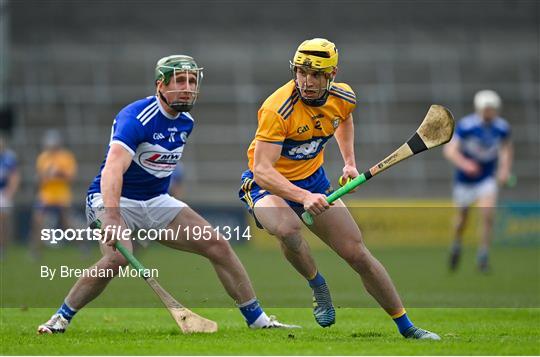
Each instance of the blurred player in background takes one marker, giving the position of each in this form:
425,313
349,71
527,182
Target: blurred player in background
56,168
286,177
482,152
147,141
176,188
9,183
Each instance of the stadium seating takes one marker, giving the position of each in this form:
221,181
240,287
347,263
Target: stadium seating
75,72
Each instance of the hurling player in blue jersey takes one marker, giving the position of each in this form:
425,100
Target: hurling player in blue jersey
481,151
9,182
147,140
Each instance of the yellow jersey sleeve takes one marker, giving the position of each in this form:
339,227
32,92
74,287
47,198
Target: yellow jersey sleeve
272,127
347,102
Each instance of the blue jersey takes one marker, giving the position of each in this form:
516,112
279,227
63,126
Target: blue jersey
8,164
155,139
177,176
480,141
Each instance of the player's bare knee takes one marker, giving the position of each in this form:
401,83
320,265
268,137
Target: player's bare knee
109,263
114,261
288,229
292,243
217,249
356,255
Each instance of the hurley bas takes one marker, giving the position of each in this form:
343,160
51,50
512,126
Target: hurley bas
65,271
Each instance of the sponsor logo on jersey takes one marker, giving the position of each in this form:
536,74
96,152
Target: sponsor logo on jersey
160,161
306,150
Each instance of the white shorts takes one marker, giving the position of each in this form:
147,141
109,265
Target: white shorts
154,213
5,203
466,194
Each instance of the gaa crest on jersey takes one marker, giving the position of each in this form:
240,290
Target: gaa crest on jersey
335,122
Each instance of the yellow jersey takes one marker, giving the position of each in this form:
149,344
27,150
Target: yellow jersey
56,169
301,130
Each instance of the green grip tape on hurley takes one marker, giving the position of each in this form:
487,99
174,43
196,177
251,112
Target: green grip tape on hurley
126,253
337,194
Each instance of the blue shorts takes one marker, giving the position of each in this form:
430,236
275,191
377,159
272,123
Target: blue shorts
250,192
54,208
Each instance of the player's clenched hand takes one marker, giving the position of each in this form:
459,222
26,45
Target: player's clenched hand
349,173
503,178
111,227
315,203
470,168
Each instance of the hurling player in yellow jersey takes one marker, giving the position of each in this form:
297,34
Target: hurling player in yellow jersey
56,168
286,177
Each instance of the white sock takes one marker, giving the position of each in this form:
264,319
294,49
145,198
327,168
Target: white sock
262,320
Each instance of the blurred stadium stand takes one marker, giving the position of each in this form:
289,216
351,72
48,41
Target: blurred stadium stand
74,64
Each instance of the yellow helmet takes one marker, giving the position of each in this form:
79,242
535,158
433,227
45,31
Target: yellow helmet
318,54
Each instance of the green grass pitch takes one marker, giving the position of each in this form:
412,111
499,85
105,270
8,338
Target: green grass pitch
150,331
474,314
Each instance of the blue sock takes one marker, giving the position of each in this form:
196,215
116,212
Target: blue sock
251,310
403,323
317,281
66,311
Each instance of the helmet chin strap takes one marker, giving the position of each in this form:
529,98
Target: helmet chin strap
178,106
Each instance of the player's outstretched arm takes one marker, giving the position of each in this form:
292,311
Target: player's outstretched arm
118,161
267,177
452,154
13,183
345,138
506,156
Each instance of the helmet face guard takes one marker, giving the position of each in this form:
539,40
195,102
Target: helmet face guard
320,93
181,78
315,57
